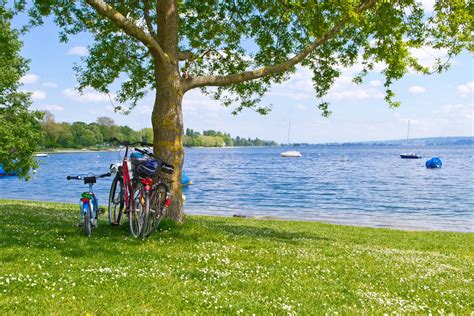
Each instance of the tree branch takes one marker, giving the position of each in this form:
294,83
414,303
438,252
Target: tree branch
185,55
149,25
129,27
191,83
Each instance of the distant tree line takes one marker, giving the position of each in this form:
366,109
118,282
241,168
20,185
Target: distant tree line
211,138
81,135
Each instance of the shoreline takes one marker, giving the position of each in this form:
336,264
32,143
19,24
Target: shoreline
89,150
244,216
72,151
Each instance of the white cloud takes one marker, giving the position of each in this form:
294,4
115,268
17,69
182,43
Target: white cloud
345,89
375,83
50,85
466,89
359,66
300,87
144,109
110,108
428,5
36,94
428,55
300,107
26,79
78,50
417,89
457,111
196,102
51,107
445,120
87,96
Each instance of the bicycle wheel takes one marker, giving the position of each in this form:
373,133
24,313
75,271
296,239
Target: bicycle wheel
157,208
87,219
137,209
146,215
116,201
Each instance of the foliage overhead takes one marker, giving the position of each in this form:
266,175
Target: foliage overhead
222,38
19,130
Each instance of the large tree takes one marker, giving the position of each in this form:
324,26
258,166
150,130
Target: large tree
19,127
234,50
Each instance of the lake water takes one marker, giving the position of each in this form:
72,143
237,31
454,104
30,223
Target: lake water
356,185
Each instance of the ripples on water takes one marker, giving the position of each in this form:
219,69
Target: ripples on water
369,186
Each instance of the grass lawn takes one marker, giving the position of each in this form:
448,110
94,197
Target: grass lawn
217,265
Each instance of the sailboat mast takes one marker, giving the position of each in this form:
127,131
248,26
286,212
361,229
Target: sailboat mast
289,127
408,131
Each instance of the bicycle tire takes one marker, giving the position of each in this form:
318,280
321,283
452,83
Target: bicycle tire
156,212
87,220
116,200
146,215
137,205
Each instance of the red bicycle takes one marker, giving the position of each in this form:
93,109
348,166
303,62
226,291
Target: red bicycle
137,188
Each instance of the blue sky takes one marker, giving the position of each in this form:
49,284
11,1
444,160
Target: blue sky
437,105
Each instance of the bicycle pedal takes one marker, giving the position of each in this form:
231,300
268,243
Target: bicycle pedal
101,210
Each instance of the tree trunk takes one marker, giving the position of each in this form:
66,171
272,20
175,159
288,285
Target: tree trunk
167,120
167,117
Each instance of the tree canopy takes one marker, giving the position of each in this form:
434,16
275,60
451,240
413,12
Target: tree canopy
242,47
19,130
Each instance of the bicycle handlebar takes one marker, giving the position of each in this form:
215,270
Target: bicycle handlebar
115,140
145,152
108,174
165,166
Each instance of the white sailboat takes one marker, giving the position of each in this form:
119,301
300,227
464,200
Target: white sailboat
290,153
409,155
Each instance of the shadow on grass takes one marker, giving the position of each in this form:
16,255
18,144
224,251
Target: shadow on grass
52,226
241,229
42,227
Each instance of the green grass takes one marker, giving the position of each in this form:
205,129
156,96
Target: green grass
217,265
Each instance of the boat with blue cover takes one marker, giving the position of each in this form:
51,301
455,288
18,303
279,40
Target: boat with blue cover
185,179
3,173
433,163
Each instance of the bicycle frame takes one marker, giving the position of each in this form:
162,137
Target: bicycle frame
136,191
86,199
88,203
127,182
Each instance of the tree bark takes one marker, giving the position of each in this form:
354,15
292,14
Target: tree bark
167,117
167,120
